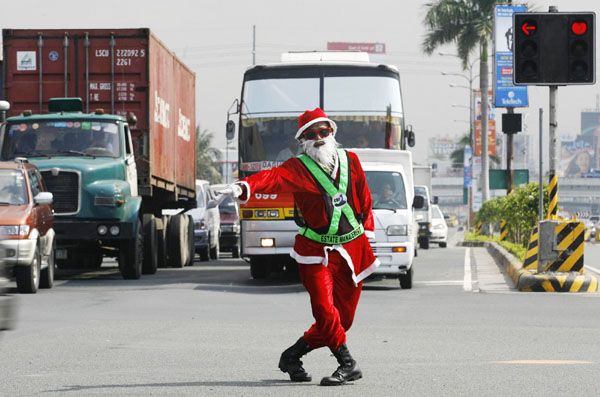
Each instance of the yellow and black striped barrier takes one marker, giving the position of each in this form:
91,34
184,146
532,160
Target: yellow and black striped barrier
503,230
569,243
478,227
557,282
531,257
552,196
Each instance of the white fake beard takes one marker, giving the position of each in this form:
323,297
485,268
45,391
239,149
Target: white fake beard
325,154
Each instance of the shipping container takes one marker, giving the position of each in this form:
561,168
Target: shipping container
127,72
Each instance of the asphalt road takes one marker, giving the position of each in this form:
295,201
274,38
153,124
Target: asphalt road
212,330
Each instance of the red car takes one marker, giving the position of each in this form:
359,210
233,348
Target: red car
27,237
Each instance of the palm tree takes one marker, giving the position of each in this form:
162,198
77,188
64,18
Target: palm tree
206,155
468,24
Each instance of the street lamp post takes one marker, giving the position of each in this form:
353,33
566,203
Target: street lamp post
470,79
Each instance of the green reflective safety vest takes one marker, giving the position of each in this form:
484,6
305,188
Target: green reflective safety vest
339,201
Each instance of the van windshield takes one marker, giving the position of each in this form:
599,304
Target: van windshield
13,190
387,189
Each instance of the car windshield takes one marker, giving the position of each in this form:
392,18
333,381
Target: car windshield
200,200
227,206
387,189
13,189
47,138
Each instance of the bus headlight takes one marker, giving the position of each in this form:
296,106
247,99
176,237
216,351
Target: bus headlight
267,242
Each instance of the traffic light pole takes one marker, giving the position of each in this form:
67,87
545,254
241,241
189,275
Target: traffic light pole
552,177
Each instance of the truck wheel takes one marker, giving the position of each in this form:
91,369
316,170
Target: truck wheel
259,268
131,255
28,277
191,249
47,274
406,279
161,239
216,250
424,243
177,240
443,245
150,245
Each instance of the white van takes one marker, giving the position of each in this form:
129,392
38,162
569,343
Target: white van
390,180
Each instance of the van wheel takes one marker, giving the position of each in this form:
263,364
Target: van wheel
131,255
235,250
47,274
424,243
28,277
443,245
406,279
259,268
150,245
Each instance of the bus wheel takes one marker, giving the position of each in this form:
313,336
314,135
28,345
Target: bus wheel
260,268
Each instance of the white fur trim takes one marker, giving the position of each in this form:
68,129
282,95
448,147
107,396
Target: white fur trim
370,234
247,189
317,120
367,272
306,259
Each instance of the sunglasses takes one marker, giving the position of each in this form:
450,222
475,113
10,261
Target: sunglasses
322,132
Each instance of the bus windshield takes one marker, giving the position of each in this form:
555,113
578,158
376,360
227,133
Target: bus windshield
48,138
366,106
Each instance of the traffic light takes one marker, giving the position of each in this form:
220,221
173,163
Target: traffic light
554,48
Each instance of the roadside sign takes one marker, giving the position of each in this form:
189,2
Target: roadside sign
506,94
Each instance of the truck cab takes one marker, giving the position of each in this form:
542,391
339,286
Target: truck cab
87,162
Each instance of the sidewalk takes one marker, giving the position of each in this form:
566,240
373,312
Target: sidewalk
488,276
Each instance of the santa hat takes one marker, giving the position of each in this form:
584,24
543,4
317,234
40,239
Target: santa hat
311,117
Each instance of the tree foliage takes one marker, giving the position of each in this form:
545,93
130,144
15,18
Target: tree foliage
206,156
519,210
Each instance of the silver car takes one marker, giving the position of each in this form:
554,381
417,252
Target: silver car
207,222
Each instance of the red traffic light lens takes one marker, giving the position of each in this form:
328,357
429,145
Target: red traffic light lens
579,27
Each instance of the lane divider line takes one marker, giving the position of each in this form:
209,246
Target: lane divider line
467,283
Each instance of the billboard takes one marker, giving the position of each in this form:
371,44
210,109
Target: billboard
506,94
491,131
578,156
376,51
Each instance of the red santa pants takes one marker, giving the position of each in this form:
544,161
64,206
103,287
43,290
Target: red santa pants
333,298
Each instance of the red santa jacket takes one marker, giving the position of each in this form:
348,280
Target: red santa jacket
293,177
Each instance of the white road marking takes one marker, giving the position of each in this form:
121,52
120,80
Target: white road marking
467,284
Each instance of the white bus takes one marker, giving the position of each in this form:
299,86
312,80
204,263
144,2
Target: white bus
363,98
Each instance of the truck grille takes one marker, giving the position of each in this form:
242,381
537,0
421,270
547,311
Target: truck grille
65,189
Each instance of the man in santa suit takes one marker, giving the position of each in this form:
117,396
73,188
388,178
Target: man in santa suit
332,250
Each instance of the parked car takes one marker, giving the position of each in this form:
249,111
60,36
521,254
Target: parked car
206,222
26,226
230,226
439,228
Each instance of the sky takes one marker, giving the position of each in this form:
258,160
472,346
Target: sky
214,38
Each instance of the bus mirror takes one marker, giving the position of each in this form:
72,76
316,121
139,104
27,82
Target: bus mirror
410,136
230,129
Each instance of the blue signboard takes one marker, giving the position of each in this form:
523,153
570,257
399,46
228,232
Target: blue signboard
506,94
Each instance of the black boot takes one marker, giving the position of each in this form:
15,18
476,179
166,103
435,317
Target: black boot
346,372
290,361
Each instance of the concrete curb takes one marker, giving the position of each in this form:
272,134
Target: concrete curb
525,280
